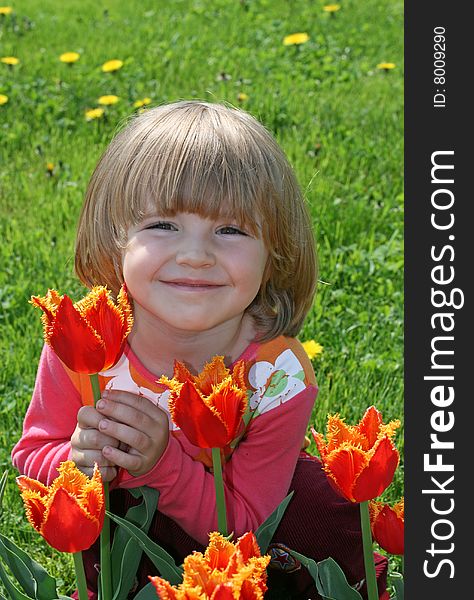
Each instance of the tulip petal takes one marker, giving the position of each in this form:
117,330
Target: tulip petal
218,551
230,403
245,549
103,316
164,589
199,422
74,341
247,544
106,319
212,374
35,507
343,465
370,425
238,374
249,581
338,433
320,443
388,530
197,573
48,304
251,591
26,483
125,306
92,497
70,479
181,373
67,527
223,592
378,474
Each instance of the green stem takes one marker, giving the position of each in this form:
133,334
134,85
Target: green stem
370,576
105,577
105,568
94,379
80,576
219,486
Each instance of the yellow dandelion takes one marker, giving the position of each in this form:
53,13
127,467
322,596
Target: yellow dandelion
94,113
69,57
108,100
386,66
295,39
312,349
49,168
142,102
331,8
241,97
3,98
112,65
6,10
10,60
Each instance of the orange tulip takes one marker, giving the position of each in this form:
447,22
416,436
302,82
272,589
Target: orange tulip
209,407
226,571
387,525
88,336
70,512
359,460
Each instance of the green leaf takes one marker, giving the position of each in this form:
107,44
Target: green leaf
126,552
396,579
163,561
13,591
146,593
266,530
332,583
309,563
32,577
3,483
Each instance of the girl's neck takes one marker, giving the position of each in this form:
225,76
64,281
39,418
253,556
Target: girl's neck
157,347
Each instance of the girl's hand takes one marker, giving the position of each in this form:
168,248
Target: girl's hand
87,443
134,422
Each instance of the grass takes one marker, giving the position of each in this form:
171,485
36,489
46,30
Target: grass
336,115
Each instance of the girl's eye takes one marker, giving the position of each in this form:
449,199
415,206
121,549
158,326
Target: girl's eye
163,225
231,230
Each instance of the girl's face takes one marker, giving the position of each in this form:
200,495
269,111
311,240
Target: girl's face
192,273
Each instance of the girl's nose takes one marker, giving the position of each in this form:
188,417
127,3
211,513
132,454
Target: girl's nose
195,253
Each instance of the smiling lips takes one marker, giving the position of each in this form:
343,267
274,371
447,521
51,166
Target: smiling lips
192,284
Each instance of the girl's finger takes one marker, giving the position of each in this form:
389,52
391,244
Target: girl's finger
126,434
86,459
93,439
140,403
132,462
87,416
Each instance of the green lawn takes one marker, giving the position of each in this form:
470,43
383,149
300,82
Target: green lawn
338,117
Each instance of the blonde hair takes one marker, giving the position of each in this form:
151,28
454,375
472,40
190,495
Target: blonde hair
208,159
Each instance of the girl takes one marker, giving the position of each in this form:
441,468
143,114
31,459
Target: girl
195,207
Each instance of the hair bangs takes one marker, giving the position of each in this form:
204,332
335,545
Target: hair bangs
205,168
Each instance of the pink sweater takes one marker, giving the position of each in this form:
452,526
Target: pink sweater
282,389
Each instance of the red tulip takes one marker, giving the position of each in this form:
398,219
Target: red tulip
387,525
88,336
226,571
69,514
360,460
209,407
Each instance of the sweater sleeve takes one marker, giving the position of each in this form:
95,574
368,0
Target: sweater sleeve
49,422
256,478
